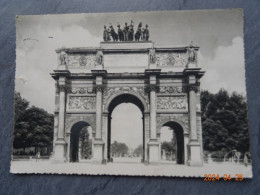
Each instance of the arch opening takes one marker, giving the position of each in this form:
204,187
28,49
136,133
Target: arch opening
125,129
172,143
81,142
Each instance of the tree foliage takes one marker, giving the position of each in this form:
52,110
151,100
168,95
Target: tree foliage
139,150
119,149
224,122
33,126
86,143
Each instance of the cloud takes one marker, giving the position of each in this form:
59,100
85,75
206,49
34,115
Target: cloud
226,69
35,60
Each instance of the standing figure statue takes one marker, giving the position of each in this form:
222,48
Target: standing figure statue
120,33
138,33
191,53
146,33
125,31
113,33
131,31
63,58
106,36
99,58
152,56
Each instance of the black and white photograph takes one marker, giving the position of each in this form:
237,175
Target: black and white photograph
158,93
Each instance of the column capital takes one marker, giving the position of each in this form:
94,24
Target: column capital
193,87
62,88
99,88
152,87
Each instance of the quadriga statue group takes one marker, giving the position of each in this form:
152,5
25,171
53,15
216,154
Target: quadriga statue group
127,33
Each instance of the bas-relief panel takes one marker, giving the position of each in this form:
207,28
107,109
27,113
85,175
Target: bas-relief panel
171,103
171,59
77,60
81,103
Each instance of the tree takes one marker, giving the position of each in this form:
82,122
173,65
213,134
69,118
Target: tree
139,150
119,149
224,122
33,126
86,143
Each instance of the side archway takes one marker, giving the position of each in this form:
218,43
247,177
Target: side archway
178,130
80,141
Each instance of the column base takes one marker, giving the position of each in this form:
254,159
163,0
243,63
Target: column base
195,154
154,153
98,152
59,155
192,65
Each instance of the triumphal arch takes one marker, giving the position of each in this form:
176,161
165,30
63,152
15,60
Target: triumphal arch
164,82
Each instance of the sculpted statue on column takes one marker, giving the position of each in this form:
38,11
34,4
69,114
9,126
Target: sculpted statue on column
63,58
152,56
191,53
99,58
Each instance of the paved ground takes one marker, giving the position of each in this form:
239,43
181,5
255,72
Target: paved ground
124,168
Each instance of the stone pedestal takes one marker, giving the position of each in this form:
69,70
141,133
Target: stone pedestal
98,148
154,153
195,154
59,155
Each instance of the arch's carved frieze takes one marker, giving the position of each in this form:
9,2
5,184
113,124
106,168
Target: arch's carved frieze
81,90
166,89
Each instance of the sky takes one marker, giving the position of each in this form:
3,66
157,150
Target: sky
218,33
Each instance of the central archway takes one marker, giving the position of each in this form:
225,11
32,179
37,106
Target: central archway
116,101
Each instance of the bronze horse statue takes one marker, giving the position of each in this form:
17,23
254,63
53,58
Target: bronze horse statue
138,33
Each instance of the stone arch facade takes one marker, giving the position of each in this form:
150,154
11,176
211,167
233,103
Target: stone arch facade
167,89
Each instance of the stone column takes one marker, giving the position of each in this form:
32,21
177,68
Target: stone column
153,144
98,144
194,144
60,142
153,113
192,113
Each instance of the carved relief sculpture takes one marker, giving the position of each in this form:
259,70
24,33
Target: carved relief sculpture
171,59
81,103
171,103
